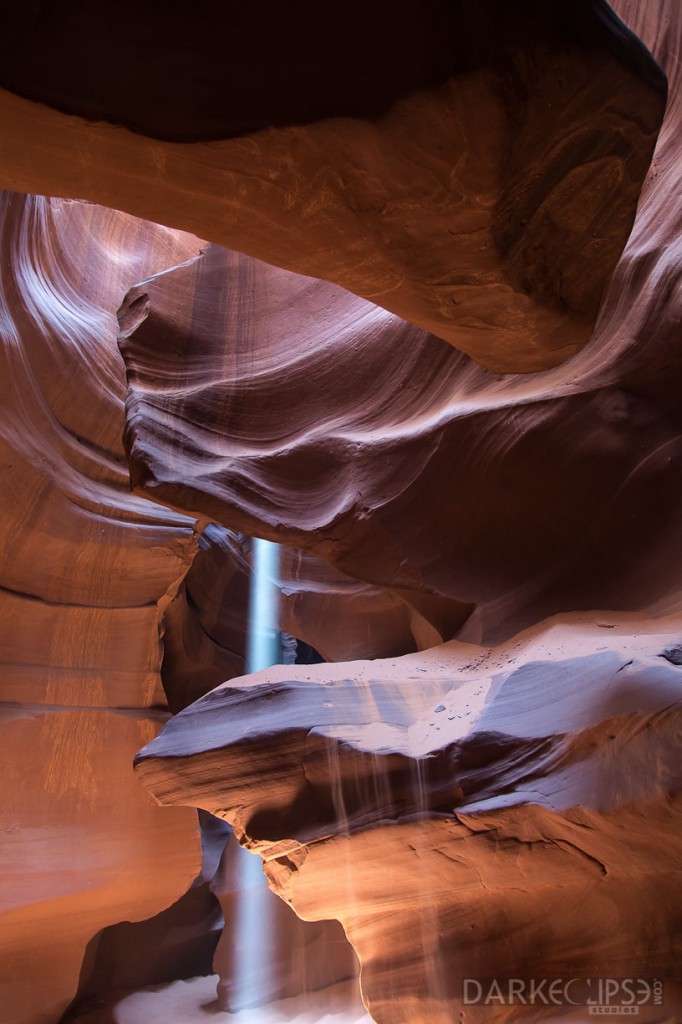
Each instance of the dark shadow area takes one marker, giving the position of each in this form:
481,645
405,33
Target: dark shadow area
307,655
220,69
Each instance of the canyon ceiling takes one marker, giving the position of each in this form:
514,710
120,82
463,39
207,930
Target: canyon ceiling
398,288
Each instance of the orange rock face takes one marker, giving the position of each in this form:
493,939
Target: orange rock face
510,812
497,794
86,570
486,198
482,502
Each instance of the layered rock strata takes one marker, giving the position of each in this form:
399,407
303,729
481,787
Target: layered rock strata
478,498
466,812
85,570
341,618
91,578
573,778
287,408
474,506
482,188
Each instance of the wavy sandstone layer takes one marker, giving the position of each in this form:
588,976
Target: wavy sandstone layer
85,570
90,577
482,188
474,496
288,408
536,840
466,812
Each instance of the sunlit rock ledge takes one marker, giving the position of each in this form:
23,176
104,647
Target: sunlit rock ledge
470,503
464,812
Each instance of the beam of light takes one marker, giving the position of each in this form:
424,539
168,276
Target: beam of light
253,934
263,648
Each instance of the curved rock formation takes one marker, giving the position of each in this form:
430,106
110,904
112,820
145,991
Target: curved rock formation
483,190
85,570
465,812
580,463
205,625
452,836
285,407
90,576
430,802
295,957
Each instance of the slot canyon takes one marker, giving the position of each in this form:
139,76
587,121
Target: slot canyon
341,560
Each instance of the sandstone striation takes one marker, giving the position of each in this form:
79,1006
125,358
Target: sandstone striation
478,498
465,812
91,576
482,188
441,214
535,840
85,570
482,502
339,617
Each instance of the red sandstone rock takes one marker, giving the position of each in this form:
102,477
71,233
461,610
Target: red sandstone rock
486,198
85,571
296,956
288,408
544,493
466,813
88,573
206,623
533,486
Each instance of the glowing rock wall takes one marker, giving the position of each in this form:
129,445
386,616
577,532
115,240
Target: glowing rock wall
422,497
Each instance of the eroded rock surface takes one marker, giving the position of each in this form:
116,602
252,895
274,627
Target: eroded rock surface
291,957
288,408
465,812
482,188
205,625
478,498
452,500
85,569
91,576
